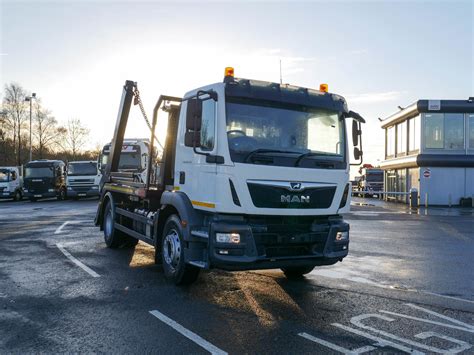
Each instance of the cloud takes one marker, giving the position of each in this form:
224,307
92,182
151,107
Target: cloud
374,97
358,51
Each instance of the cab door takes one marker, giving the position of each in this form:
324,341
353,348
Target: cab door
194,174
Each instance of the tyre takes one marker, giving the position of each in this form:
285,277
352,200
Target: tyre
172,254
18,196
62,195
293,273
32,199
113,238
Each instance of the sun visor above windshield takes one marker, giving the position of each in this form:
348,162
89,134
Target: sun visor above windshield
263,90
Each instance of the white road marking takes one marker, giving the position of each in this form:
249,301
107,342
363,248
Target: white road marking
442,316
335,347
380,341
462,344
470,330
77,262
444,296
349,276
188,334
357,321
60,228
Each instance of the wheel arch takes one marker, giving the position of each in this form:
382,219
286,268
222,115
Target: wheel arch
177,203
99,218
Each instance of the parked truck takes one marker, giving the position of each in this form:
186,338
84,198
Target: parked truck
45,179
11,183
83,179
253,175
371,181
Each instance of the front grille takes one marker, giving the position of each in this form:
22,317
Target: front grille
80,188
265,196
289,236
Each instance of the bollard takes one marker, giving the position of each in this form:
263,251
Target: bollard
426,200
413,197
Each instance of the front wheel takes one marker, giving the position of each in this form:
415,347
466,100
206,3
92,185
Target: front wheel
293,273
172,254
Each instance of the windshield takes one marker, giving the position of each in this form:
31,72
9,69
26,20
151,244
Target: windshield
255,128
127,161
375,177
87,168
4,175
39,172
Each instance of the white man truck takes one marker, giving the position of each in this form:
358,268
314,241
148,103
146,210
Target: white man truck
254,175
11,183
83,179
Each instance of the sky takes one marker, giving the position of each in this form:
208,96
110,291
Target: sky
76,55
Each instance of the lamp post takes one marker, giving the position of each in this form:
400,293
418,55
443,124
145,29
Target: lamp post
30,99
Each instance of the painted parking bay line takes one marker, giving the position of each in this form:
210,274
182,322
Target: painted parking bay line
188,334
60,228
77,262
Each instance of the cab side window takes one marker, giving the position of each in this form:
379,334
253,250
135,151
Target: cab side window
13,175
208,125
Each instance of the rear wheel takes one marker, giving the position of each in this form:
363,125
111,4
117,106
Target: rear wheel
18,195
113,238
62,195
297,272
172,254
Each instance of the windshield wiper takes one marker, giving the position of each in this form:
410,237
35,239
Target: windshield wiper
264,150
309,154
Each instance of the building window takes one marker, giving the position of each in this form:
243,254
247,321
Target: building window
414,134
402,138
208,125
391,141
454,130
471,131
434,130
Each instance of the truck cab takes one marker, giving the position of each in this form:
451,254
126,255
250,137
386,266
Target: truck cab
254,175
371,181
83,179
45,179
11,183
133,157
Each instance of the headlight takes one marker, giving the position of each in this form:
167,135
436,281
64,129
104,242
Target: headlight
233,238
50,190
25,190
95,187
69,188
342,236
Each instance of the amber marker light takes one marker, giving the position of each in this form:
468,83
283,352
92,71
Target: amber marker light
229,71
323,87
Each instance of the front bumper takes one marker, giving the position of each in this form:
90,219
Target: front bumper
81,191
278,245
6,194
46,194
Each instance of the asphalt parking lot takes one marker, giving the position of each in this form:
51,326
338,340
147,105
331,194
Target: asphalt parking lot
406,286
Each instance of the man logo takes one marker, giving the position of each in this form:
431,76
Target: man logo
294,199
295,186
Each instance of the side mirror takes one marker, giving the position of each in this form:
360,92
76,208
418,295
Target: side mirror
194,115
355,133
357,153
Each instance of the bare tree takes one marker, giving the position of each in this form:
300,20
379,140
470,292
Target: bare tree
45,129
14,104
74,136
